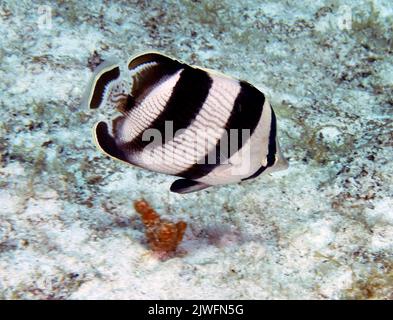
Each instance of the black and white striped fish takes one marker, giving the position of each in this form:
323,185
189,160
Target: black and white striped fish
187,121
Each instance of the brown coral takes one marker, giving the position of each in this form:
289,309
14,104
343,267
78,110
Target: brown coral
162,235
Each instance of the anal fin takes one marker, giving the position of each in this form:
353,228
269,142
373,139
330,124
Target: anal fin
187,186
106,142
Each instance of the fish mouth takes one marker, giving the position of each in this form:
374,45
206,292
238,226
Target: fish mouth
281,162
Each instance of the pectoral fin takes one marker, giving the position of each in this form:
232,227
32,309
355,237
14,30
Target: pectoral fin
187,186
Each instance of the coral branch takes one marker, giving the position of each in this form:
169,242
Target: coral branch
162,235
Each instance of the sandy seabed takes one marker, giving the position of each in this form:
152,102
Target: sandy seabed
323,229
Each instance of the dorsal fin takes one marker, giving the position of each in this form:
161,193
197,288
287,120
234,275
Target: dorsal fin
147,70
104,75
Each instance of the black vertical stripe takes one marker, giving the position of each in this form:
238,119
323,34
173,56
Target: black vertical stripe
152,57
272,149
126,105
100,85
144,81
184,104
246,113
